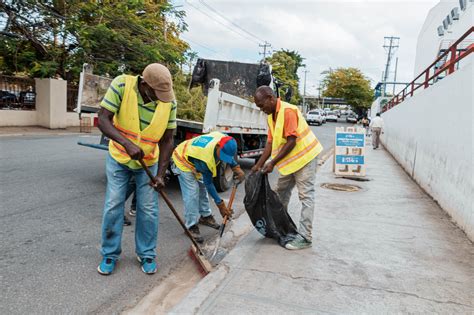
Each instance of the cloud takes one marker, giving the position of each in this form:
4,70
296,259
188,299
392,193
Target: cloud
326,33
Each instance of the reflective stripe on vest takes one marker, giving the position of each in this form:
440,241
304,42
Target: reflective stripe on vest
307,145
201,148
127,122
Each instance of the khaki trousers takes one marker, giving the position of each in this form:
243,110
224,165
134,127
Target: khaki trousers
304,180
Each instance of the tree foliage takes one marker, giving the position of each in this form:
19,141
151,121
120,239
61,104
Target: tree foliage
53,38
350,84
285,65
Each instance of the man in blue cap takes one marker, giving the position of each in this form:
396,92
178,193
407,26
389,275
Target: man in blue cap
196,163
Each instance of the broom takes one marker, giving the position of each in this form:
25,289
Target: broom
195,252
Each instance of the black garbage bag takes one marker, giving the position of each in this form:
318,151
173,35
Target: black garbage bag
266,211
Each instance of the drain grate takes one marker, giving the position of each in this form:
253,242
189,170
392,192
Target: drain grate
341,187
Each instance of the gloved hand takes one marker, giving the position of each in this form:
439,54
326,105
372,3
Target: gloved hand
239,175
224,210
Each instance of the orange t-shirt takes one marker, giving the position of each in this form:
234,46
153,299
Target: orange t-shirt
289,125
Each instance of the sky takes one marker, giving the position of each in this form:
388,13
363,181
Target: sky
328,34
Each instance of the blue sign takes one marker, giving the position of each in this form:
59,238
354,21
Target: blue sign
349,159
350,140
202,141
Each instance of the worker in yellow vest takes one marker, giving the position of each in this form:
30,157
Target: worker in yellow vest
292,148
196,163
138,115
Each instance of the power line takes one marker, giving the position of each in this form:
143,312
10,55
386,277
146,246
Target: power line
203,46
226,26
229,20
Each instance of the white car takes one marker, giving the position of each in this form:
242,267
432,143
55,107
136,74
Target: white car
314,117
331,116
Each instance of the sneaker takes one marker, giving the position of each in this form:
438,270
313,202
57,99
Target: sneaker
209,221
126,221
196,233
149,265
106,267
298,243
132,212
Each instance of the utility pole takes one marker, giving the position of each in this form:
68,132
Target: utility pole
390,45
304,91
264,46
395,76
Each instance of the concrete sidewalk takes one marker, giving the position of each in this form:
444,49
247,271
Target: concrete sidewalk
387,248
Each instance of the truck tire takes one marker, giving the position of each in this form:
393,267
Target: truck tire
223,180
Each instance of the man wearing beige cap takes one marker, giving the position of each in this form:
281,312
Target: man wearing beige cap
138,114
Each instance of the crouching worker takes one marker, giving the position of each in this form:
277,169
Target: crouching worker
293,149
196,163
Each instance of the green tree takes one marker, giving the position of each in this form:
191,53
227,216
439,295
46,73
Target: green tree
50,38
191,103
350,84
285,65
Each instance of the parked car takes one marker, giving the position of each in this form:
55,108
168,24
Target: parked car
351,119
331,116
7,97
314,117
27,98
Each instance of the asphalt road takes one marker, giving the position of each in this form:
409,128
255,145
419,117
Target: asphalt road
51,198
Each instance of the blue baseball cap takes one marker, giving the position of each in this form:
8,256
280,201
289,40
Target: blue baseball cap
228,147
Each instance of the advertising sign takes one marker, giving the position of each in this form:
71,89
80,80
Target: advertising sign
349,152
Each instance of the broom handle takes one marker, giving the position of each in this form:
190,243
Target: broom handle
229,205
172,208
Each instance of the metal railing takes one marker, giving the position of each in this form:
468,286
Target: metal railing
72,94
447,62
17,93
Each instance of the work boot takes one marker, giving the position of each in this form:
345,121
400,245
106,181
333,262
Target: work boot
209,221
194,230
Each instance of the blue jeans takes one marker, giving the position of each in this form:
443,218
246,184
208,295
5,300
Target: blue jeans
195,197
146,229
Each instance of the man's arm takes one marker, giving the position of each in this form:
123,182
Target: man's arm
287,147
107,127
166,149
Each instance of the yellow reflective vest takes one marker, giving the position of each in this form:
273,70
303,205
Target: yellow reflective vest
307,145
127,121
201,148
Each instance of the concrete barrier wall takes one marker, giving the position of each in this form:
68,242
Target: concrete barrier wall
12,118
431,136
50,108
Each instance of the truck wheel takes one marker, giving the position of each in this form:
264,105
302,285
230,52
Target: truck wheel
223,180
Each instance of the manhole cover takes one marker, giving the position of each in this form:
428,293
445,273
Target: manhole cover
341,187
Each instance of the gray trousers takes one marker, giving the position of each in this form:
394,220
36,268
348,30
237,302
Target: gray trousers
376,137
304,179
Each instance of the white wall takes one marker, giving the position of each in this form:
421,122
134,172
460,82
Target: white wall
12,118
72,119
50,108
431,136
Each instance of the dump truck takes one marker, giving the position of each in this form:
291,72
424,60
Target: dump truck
229,87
